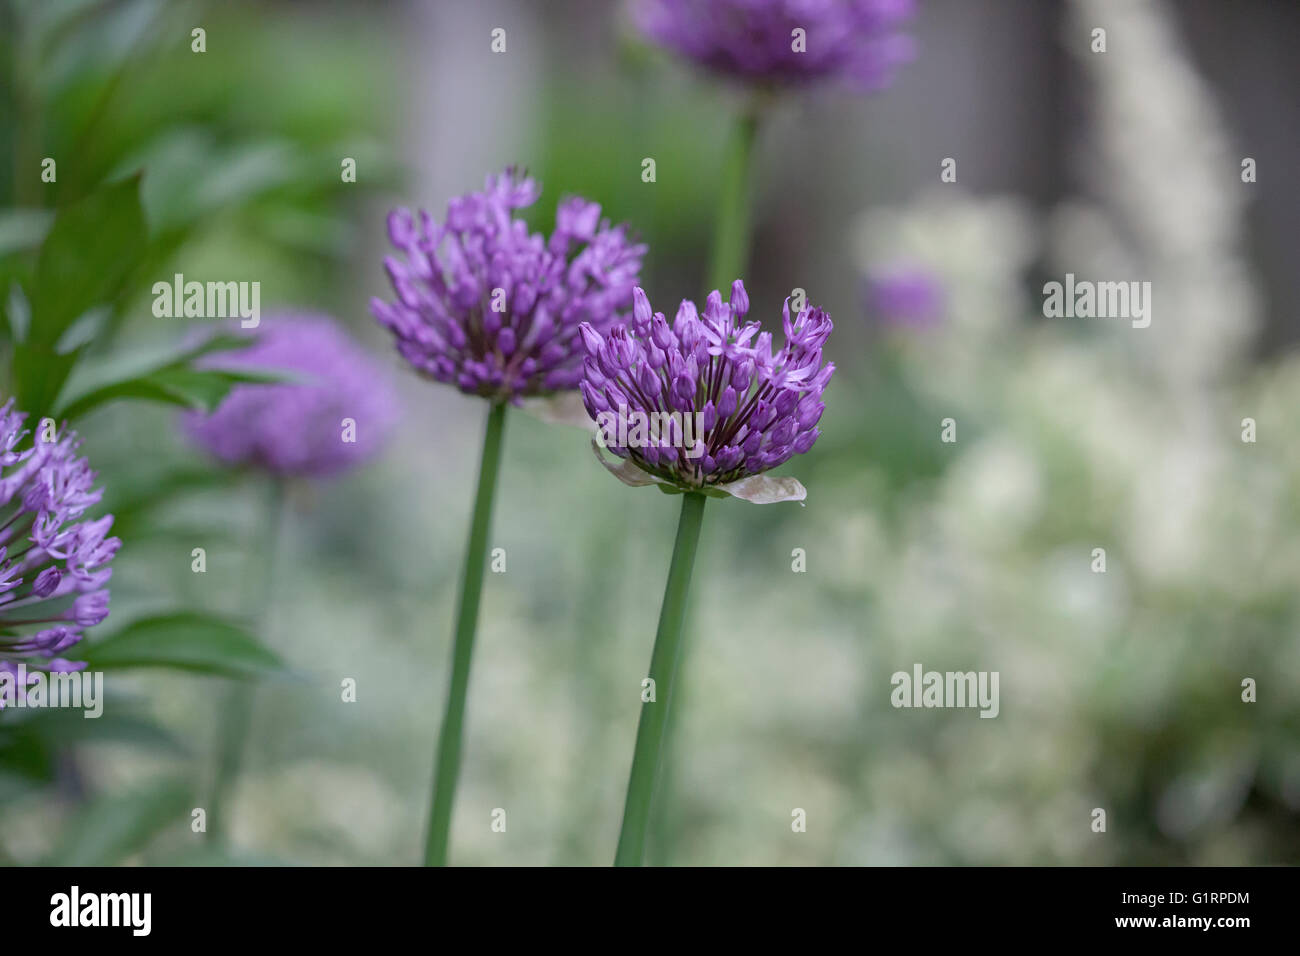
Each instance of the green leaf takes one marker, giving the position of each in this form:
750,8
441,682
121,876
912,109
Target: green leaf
112,828
22,229
87,257
196,389
92,249
186,641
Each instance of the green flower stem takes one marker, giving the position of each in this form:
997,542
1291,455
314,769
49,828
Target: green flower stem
730,253
447,761
728,260
236,718
663,668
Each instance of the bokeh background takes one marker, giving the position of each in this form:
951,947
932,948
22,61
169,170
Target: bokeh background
1119,690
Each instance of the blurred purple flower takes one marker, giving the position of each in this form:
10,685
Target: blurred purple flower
53,562
335,414
483,305
755,409
907,298
756,40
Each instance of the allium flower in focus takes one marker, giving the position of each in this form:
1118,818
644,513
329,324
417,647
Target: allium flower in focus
53,560
297,428
483,305
756,408
905,298
853,40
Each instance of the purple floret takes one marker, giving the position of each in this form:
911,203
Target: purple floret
483,305
740,408
54,562
334,414
857,41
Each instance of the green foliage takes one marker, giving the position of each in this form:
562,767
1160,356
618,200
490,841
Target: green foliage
186,641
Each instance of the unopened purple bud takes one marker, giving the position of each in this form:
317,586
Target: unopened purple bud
616,396
88,609
739,299
506,341
401,228
46,582
660,333
641,310
727,402
741,375
708,417
591,372
805,441
682,392
648,380
809,412
687,316
591,339
621,346
592,399
713,311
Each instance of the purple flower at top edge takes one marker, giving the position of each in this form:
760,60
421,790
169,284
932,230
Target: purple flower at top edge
483,305
705,400
905,298
335,413
54,561
857,41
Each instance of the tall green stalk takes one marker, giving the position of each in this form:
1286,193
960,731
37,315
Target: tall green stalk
728,259
731,236
663,669
236,719
447,760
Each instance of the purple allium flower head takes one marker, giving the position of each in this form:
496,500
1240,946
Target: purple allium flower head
483,305
54,562
336,413
756,40
905,297
743,409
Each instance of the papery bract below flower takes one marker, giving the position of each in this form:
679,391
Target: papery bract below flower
297,428
755,408
54,562
483,305
854,40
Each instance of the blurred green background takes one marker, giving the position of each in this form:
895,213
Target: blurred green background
1119,690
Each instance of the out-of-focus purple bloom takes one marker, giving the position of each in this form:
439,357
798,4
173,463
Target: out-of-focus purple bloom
336,413
483,305
54,562
705,401
908,298
759,40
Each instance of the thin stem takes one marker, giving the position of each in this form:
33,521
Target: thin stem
730,253
663,668
728,260
236,718
447,761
